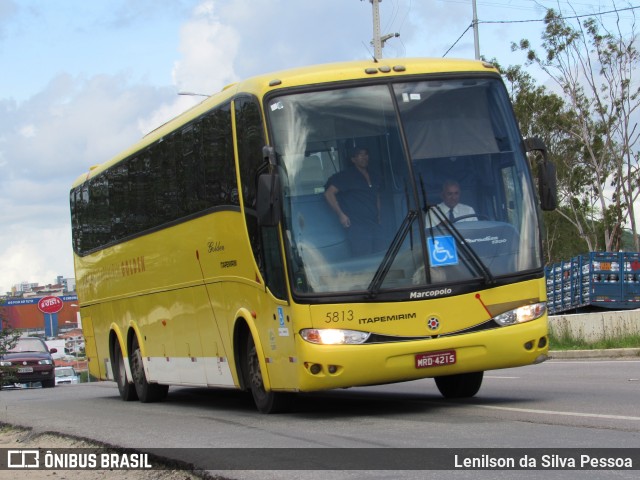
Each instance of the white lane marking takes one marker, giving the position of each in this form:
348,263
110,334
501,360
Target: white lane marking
499,376
559,361
568,414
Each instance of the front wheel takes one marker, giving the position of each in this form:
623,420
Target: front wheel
266,402
147,392
463,385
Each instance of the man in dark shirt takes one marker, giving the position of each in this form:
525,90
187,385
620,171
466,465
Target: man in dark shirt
353,195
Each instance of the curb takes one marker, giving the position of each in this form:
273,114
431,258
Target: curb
617,353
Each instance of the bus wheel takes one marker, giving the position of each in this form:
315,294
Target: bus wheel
266,402
147,392
463,385
126,389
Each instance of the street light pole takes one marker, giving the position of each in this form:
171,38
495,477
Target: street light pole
193,94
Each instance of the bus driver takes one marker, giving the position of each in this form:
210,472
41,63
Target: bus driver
451,206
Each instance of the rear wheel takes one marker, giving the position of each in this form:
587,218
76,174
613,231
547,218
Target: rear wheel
463,385
127,390
147,392
266,402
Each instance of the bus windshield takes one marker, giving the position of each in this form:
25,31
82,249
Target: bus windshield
402,186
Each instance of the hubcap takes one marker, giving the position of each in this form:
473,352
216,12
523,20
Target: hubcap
136,367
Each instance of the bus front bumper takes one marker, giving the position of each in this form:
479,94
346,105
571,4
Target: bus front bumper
323,367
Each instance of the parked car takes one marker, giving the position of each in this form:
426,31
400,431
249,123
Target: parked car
66,375
28,362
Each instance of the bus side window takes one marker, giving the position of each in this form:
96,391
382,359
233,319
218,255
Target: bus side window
264,241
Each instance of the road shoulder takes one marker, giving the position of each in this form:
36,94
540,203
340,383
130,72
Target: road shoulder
18,438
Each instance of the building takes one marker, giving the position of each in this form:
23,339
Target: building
43,310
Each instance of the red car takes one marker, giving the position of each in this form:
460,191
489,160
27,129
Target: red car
28,362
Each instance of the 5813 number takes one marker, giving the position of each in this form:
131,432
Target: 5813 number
335,317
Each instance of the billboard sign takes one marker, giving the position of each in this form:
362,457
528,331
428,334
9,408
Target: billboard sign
50,305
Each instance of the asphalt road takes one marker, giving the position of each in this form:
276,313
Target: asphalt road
577,404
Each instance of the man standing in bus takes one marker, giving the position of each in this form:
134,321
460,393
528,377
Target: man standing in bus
451,206
353,195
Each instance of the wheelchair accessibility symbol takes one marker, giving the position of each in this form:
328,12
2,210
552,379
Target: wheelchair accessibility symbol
442,251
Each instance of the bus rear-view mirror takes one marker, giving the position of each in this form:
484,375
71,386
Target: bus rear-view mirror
547,180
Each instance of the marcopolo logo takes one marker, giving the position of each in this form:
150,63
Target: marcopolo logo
50,304
431,293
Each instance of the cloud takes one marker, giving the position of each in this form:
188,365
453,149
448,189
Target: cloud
47,142
29,255
277,34
208,49
76,121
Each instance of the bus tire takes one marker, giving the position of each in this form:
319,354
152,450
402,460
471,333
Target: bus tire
266,402
127,390
463,385
147,392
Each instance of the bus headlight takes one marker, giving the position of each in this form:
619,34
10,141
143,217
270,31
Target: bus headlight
333,336
521,314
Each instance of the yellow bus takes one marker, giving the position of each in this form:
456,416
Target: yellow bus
290,234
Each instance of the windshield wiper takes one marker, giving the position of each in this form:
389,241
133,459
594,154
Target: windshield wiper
392,251
480,267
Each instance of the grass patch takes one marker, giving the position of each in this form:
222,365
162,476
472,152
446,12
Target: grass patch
565,341
84,377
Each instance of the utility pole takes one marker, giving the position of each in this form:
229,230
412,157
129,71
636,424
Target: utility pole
476,36
378,40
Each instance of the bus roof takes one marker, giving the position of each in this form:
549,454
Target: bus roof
316,74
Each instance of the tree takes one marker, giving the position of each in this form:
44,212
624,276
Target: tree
594,67
544,114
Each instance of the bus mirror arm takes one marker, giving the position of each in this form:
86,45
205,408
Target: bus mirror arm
269,155
547,180
269,200
269,195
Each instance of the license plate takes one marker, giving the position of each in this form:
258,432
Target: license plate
25,370
435,359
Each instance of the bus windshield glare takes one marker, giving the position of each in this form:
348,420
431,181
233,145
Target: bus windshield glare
429,182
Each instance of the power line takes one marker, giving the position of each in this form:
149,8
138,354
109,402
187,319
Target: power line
454,43
562,17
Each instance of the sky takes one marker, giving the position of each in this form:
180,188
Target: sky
82,80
